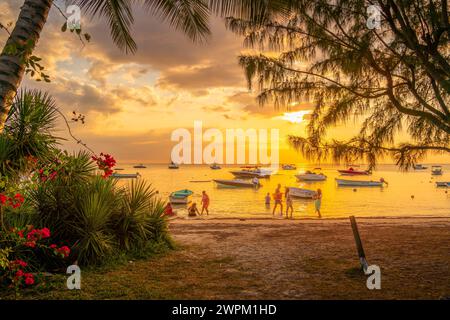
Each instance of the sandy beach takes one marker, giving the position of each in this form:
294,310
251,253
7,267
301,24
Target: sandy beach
279,259
317,259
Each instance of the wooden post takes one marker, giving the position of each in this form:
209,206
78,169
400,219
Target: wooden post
359,246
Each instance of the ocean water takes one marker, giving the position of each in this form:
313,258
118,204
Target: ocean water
412,193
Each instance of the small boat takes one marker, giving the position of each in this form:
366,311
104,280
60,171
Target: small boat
301,193
215,166
420,167
289,167
311,176
173,165
436,170
139,166
360,183
238,183
443,184
125,175
251,172
119,169
181,196
352,172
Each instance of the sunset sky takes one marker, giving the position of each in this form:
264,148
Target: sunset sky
132,103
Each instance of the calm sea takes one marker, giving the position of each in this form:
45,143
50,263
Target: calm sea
411,193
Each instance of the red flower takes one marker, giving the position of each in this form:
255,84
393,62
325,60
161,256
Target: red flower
19,262
3,198
53,246
45,233
19,273
29,279
64,251
31,244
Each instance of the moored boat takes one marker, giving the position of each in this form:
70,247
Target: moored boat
139,166
352,172
436,170
442,184
360,183
419,167
215,166
125,175
289,167
238,183
181,196
311,176
173,165
301,193
251,173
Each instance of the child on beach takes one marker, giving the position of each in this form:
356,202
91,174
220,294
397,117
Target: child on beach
205,203
318,202
267,200
193,211
168,211
288,203
278,197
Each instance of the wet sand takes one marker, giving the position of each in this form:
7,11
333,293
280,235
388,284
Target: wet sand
317,259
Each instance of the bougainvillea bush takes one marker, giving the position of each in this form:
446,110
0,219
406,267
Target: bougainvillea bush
59,208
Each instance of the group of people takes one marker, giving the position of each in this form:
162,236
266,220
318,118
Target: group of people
278,199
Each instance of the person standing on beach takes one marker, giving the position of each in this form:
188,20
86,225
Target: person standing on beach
288,203
268,200
205,203
318,201
278,197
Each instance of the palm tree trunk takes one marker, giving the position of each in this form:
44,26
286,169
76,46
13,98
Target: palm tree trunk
32,17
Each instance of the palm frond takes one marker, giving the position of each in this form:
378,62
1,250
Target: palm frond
119,15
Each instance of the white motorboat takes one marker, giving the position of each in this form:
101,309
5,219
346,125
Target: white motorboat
238,183
251,173
420,167
181,197
301,193
442,184
436,170
173,165
360,183
289,167
125,175
311,176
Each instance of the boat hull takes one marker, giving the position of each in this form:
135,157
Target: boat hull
356,183
442,184
125,175
301,193
311,177
237,183
243,174
353,173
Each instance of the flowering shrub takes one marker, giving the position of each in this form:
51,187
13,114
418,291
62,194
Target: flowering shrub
14,202
22,244
105,162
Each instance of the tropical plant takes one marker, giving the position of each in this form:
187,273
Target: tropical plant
189,16
393,78
28,132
